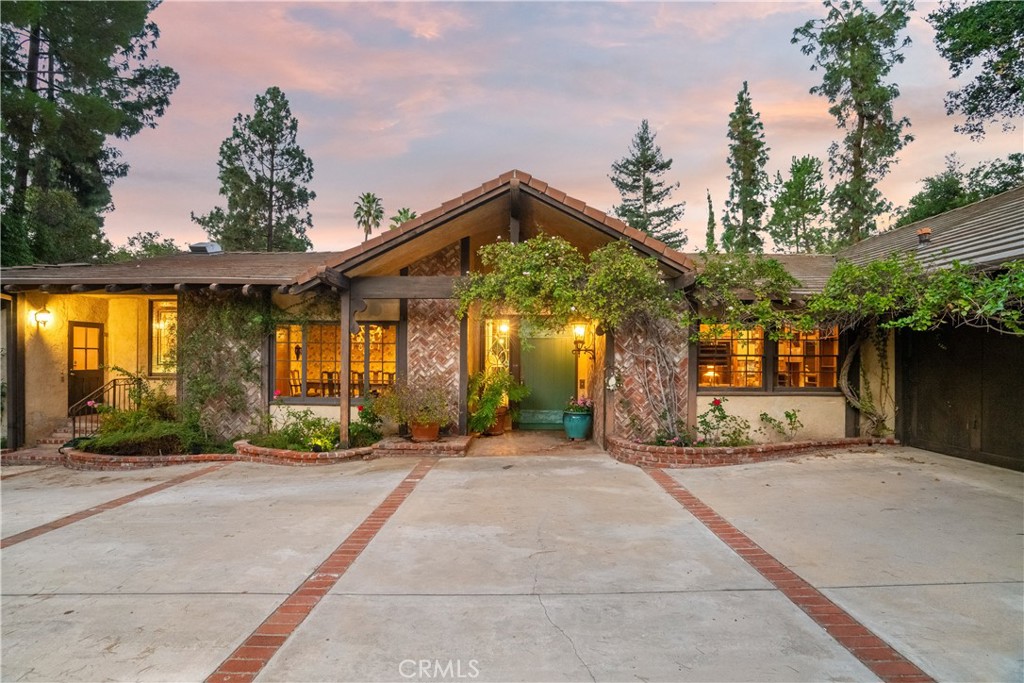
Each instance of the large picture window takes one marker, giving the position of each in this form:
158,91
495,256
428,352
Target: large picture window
163,337
742,359
307,360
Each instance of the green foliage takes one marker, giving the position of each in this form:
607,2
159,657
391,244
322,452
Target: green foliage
787,429
709,237
300,430
424,402
366,430
856,49
403,215
715,427
487,392
748,155
67,88
741,291
369,213
954,188
898,292
145,245
797,208
547,281
991,34
637,177
60,230
263,174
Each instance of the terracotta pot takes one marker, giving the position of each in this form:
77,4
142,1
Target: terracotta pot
424,432
498,428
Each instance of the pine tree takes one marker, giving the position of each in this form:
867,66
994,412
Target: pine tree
856,49
74,74
709,238
369,213
798,207
748,179
263,175
637,177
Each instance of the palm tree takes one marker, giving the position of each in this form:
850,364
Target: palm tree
404,215
369,213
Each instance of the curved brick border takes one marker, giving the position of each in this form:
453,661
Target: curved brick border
643,455
244,452
31,456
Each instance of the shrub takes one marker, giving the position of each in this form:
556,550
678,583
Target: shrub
300,430
717,428
366,430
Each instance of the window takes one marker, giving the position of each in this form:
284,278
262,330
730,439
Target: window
374,358
731,358
163,337
738,359
307,360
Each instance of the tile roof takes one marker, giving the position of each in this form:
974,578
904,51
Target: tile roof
986,233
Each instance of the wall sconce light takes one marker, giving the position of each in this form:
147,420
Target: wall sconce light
43,316
579,337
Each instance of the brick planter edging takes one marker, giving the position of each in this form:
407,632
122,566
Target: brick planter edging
244,452
9,457
447,446
643,455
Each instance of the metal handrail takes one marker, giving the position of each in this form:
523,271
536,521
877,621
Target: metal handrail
119,394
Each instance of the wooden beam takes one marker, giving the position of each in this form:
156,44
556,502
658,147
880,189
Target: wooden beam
221,288
152,288
185,287
55,289
114,289
345,377
304,287
85,288
252,290
398,287
332,277
17,289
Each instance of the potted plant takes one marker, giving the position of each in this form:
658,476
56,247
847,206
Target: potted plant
487,406
578,417
422,406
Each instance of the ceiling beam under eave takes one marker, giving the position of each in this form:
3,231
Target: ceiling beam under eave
116,289
333,278
18,289
77,289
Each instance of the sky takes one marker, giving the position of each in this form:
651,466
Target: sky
419,102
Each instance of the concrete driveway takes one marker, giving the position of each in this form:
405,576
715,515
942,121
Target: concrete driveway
894,564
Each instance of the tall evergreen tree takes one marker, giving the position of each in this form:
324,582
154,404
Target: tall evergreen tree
748,189
991,33
856,49
263,175
637,177
369,213
709,237
798,207
74,74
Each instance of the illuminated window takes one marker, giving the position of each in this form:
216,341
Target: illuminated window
163,337
307,360
374,358
497,344
730,358
808,359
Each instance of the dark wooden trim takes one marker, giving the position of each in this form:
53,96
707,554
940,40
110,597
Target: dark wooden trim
692,377
15,344
609,395
345,375
403,287
150,288
402,361
18,289
55,289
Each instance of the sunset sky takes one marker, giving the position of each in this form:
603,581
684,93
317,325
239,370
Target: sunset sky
419,102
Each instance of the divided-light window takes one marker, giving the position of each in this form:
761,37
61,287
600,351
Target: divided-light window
163,337
747,359
307,360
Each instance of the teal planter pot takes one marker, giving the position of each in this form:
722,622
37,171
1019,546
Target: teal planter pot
577,425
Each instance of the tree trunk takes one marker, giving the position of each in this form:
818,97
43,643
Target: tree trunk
869,412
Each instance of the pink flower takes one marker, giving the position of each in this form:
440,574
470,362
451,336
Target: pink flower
91,404
277,392
360,409
716,402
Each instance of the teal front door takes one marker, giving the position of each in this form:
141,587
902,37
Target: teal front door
548,368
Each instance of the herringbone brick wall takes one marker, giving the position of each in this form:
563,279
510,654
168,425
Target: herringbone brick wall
635,413
434,331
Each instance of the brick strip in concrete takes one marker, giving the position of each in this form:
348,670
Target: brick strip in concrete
245,663
103,507
4,477
877,655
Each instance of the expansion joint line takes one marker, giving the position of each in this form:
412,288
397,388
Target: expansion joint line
249,658
103,507
877,655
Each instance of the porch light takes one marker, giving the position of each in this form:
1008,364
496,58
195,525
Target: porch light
43,316
579,337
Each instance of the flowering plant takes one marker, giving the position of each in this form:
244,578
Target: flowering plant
580,405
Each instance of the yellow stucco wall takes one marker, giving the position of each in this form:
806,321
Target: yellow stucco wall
824,417
881,378
125,344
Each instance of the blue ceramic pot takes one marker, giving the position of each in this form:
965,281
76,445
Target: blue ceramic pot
577,425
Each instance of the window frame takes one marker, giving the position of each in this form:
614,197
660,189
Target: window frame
769,373
364,328
151,338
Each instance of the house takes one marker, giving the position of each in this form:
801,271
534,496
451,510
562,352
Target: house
349,323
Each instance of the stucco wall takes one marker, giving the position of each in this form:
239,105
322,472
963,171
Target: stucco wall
824,417
46,357
880,372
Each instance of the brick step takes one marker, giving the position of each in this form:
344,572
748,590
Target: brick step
54,440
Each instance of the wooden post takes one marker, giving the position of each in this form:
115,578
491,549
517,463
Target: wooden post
344,375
